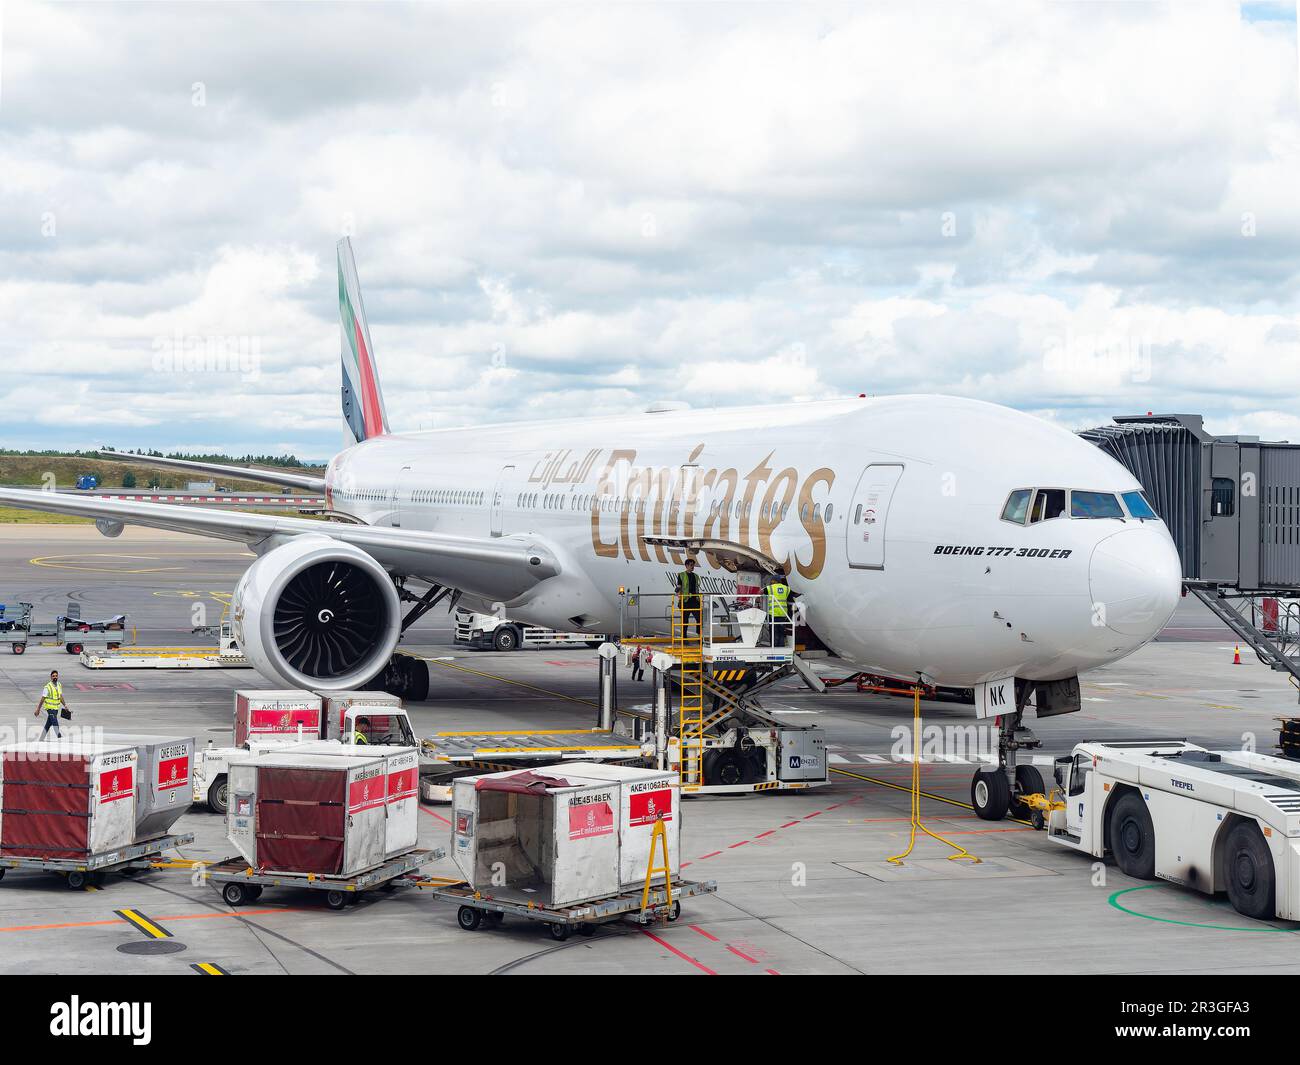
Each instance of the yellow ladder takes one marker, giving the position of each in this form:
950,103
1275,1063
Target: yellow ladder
659,837
689,652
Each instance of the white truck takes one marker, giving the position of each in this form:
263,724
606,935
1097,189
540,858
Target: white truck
1168,809
487,632
269,717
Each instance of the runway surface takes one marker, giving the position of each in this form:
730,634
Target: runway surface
803,882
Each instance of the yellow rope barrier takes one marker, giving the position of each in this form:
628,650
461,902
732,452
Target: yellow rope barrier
962,852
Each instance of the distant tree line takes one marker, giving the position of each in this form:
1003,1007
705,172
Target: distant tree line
232,460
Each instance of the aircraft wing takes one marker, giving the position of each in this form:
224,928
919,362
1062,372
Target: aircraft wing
497,568
244,473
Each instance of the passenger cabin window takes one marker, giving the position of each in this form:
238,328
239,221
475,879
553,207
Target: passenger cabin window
1138,506
1094,505
1049,503
1016,508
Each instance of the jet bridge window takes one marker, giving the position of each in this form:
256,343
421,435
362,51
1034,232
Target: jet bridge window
1048,503
1094,505
1222,501
1017,506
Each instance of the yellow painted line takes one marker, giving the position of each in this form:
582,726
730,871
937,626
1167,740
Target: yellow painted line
550,750
208,969
925,794
523,732
140,921
507,680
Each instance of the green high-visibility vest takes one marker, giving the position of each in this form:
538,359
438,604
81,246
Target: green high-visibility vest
688,587
778,595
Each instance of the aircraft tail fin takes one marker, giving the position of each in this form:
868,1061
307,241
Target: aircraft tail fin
363,400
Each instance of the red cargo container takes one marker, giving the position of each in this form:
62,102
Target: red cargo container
262,714
66,801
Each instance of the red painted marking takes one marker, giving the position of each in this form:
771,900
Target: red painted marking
741,954
444,820
706,935
683,865
772,972
711,854
681,954
733,846
789,823
815,813
769,832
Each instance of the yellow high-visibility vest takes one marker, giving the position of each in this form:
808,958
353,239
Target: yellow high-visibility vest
52,697
777,596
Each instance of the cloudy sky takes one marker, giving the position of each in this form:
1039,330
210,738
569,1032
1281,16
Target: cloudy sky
1074,209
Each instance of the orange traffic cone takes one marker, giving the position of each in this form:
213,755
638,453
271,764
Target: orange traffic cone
1236,656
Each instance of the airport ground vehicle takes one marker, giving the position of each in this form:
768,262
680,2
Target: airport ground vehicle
239,884
489,632
477,910
93,870
1168,809
86,482
387,723
69,631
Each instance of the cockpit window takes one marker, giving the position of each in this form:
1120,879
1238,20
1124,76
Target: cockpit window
1017,505
1048,503
1138,506
1094,505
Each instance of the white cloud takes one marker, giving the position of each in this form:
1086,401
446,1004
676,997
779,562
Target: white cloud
1076,209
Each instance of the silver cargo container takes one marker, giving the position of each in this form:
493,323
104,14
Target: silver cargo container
549,837
163,788
308,813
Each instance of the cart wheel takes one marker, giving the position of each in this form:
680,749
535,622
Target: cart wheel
469,918
74,648
76,880
18,648
676,911
254,892
2,874
234,894
559,932
336,900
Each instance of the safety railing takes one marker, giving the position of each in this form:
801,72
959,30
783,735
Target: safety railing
755,619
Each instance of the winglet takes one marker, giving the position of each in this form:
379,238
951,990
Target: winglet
363,401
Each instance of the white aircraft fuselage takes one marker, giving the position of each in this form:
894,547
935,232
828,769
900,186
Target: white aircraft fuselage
887,512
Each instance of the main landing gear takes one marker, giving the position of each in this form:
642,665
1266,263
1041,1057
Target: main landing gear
996,791
406,676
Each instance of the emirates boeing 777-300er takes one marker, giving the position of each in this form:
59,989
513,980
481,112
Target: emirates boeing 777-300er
945,540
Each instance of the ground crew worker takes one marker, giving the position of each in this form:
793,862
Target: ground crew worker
639,654
688,596
778,608
52,701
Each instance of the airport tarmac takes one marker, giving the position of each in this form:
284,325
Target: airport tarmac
803,882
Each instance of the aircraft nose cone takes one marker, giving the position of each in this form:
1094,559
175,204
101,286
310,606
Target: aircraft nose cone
1136,577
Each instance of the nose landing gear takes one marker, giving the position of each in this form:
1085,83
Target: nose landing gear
995,791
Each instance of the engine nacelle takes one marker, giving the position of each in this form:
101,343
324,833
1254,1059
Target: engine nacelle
317,613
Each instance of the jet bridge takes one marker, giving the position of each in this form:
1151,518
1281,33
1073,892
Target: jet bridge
1232,505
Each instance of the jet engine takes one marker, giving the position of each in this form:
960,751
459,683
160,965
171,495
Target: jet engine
317,613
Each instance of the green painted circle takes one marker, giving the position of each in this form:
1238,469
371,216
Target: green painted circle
1114,901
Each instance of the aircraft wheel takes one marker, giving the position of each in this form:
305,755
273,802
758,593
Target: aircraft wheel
1251,881
990,794
1029,781
417,680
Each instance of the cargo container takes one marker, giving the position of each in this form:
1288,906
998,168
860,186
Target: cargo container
401,789
646,796
549,837
68,800
308,813
163,790
276,713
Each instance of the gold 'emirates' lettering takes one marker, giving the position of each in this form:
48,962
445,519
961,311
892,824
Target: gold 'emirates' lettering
662,501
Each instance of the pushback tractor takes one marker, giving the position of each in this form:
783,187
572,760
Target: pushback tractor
1170,810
